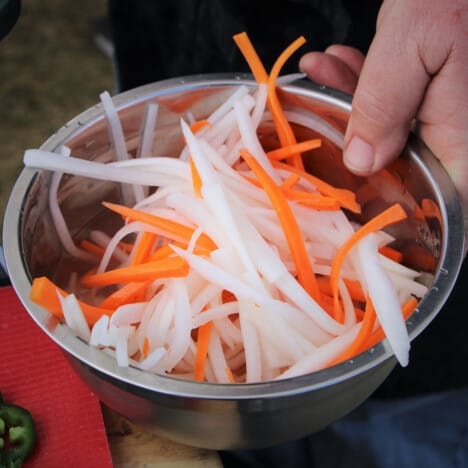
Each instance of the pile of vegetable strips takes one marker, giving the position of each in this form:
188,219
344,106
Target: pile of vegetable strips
233,263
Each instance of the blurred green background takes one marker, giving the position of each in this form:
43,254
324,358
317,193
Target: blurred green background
50,70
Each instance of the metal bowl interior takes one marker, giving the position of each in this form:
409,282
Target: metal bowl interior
230,416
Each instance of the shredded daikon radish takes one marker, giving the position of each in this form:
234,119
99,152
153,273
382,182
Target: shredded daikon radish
118,139
243,285
59,220
385,299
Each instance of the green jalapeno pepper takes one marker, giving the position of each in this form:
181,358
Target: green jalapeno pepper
17,435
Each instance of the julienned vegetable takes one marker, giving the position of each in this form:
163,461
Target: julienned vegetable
17,435
233,264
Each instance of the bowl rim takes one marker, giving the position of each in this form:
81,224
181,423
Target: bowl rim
99,361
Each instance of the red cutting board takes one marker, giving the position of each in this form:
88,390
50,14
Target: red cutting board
35,374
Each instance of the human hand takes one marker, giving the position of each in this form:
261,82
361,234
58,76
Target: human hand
415,74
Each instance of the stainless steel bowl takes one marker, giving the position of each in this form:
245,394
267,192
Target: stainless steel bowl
230,416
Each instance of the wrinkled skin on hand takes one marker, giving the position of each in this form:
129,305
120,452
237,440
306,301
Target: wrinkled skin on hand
415,74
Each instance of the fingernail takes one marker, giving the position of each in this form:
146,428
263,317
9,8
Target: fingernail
359,156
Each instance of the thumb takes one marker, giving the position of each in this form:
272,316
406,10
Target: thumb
389,92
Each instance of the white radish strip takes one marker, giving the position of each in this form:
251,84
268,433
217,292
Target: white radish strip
193,240
118,139
288,285
260,104
158,198
195,210
128,314
124,231
215,198
323,355
41,159
172,215
218,276
145,146
289,78
161,320
102,239
243,189
271,267
205,170
60,224
304,324
278,334
172,169
397,268
316,123
203,298
264,257
74,317
132,344
220,164
218,134
159,296
180,337
251,141
233,145
348,306
320,251
384,298
153,358
115,127
145,143
217,359
253,356
406,285
100,332
215,313
120,337
227,105
284,282
269,229
229,333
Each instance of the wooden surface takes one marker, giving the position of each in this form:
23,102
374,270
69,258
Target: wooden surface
132,446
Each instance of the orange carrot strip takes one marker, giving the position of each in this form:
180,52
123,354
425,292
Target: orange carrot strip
391,253
283,128
171,228
143,249
378,335
346,198
289,224
251,57
290,150
199,124
196,179
163,252
363,335
92,248
165,268
354,288
391,215
313,200
146,347
290,182
130,292
44,293
203,341
166,251
126,246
